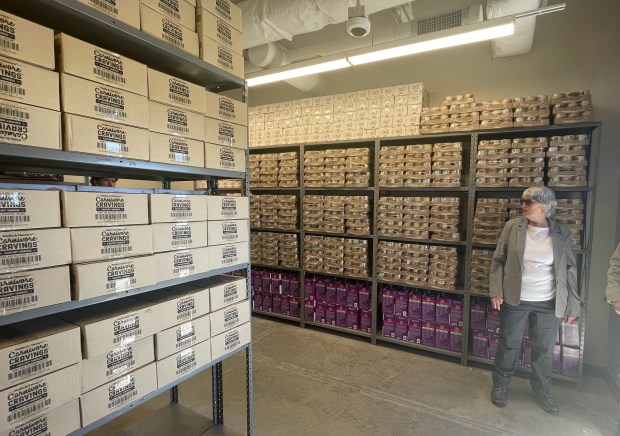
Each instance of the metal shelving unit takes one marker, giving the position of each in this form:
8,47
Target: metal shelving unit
275,315
419,347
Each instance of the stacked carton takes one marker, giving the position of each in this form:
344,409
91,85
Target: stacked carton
337,214
127,12
447,165
457,114
568,161
493,163
497,114
527,162
348,167
273,170
445,221
532,111
343,256
275,292
480,271
490,216
275,249
405,165
572,107
171,22
274,212
570,213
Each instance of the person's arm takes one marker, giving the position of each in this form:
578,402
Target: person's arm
573,308
496,277
613,280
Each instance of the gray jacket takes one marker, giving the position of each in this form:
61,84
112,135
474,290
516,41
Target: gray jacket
507,265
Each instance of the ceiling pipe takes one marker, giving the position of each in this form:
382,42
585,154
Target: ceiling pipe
523,39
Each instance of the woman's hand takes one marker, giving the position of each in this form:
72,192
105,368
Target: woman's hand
496,302
570,318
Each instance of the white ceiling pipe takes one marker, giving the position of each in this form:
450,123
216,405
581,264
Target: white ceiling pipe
523,39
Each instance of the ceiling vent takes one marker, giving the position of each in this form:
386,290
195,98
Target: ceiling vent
447,20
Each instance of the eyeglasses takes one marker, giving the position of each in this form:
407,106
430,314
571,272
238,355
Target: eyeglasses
528,201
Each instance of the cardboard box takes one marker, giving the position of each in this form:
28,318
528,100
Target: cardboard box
223,9
94,100
222,157
221,56
227,208
104,368
182,363
91,244
224,133
177,264
176,92
176,150
107,278
161,27
89,209
222,256
24,40
179,236
127,11
88,61
109,326
29,125
37,347
226,232
230,341
34,249
219,31
89,135
29,209
117,394
177,338
62,420
168,208
175,121
27,290
26,84
39,395
227,109
185,303
177,10
230,317
226,290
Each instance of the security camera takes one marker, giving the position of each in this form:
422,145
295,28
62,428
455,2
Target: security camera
358,24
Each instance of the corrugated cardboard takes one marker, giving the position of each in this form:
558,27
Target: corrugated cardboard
227,208
161,27
227,109
88,61
106,278
222,157
27,41
34,249
176,92
176,150
177,10
179,236
230,317
182,336
62,420
37,347
221,256
226,232
176,264
104,368
109,326
224,133
26,209
26,84
221,56
166,208
223,9
230,341
219,30
39,395
116,394
89,135
127,11
227,290
91,244
27,290
185,303
175,121
94,100
30,125
182,363
90,209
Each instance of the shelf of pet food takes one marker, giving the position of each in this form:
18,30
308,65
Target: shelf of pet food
340,276
87,23
275,315
157,392
76,304
521,368
337,235
37,159
284,268
274,230
339,329
554,129
421,241
493,246
523,188
423,189
423,288
418,346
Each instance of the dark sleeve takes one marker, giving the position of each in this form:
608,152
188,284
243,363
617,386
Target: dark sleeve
496,277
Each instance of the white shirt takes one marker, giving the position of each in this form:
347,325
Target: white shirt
538,278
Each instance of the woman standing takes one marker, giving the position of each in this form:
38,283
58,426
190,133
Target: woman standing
533,277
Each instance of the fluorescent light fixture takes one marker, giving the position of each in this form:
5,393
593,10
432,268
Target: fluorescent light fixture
300,69
469,34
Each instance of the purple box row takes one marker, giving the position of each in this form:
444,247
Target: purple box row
443,336
338,292
338,315
276,303
420,306
270,282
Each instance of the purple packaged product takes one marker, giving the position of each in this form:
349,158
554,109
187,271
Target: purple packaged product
353,296
477,317
414,308
456,312
428,308
330,292
258,302
341,316
428,334
321,290
493,344
492,320
442,311
388,302
266,279
570,361
294,287
295,307
527,353
268,302
456,338
276,283
480,343
277,303
256,281
285,309
557,360
366,321
330,314
310,289
320,312
389,324
415,331
442,336
309,310
353,318
364,297
401,303
341,294
570,334
401,327
286,284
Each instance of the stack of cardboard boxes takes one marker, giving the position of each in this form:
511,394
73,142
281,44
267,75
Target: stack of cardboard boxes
572,107
568,160
341,256
274,212
273,170
337,214
275,249
480,271
342,167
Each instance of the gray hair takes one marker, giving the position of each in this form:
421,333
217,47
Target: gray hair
543,195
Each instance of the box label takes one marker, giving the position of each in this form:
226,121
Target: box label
232,340
11,79
14,123
108,66
170,7
121,392
110,103
126,329
231,317
186,362
179,150
115,242
186,335
183,264
186,308
180,207
230,232
227,158
17,291
30,359
172,33
119,360
8,34
178,91
177,121
32,398
112,138
19,250
230,255
121,277
231,293
13,209
181,235
110,208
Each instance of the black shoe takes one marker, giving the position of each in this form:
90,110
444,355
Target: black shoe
498,396
547,402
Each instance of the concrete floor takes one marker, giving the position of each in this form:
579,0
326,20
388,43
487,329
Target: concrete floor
311,382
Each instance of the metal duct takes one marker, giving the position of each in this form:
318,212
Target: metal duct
523,39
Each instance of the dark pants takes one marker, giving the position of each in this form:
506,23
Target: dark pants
543,328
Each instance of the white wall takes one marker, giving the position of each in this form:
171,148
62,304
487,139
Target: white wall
575,49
